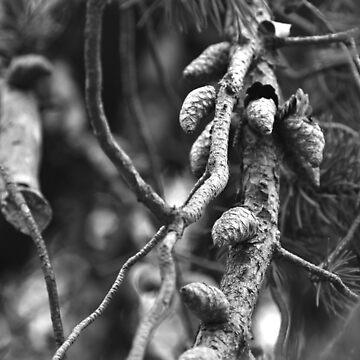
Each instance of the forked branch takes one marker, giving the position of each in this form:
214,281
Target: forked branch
78,329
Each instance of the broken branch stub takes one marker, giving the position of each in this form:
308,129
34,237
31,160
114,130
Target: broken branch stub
198,104
207,302
25,71
212,62
20,153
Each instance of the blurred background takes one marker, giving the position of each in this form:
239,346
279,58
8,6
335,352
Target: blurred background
98,223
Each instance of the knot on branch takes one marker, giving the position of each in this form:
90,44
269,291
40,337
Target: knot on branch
269,31
200,353
197,105
301,135
212,62
207,302
235,226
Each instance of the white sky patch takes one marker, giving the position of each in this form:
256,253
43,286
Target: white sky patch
266,326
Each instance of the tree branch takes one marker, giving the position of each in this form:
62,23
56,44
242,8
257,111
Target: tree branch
217,165
248,261
77,330
18,199
343,36
144,192
319,272
168,89
130,92
355,70
342,243
163,300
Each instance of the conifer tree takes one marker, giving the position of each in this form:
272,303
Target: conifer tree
275,186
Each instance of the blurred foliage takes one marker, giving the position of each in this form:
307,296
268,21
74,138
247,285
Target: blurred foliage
98,223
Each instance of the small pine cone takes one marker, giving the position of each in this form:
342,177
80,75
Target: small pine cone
200,353
234,226
302,134
200,150
260,115
306,138
210,63
198,104
207,302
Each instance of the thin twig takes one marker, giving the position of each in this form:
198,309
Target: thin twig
355,54
318,271
168,89
351,61
76,332
162,303
18,199
343,242
340,126
130,92
144,192
343,36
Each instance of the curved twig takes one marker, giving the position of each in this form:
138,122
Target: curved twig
217,166
46,267
352,59
144,192
163,300
130,92
77,330
168,89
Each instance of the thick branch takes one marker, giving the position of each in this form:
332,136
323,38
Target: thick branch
247,262
121,160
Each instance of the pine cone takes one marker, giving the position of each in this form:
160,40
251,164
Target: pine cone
260,115
207,302
301,136
198,104
200,150
234,226
212,62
